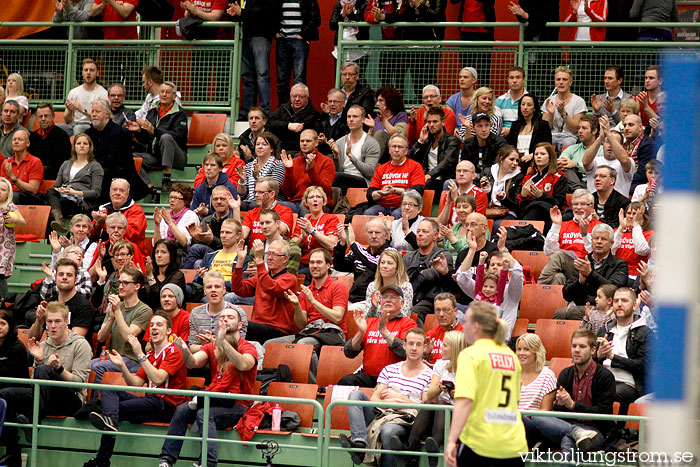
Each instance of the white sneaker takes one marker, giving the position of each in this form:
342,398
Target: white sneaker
193,403
584,439
164,463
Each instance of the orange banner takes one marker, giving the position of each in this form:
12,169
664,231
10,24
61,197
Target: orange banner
23,10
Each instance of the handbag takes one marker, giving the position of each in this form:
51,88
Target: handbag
496,212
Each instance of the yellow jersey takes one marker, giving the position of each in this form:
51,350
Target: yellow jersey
489,375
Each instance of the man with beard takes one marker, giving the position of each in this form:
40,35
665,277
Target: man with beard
319,311
81,314
568,240
436,150
161,367
79,100
120,200
233,365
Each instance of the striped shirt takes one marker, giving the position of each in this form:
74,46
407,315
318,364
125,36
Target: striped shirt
531,395
202,321
412,388
290,27
273,168
509,108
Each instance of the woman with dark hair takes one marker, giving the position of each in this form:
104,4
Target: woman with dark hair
503,182
264,164
172,223
13,354
529,129
162,267
543,187
78,183
391,119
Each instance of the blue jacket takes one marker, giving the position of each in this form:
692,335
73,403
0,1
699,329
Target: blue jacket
206,263
202,194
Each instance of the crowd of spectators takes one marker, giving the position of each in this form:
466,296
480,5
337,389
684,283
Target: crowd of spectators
264,209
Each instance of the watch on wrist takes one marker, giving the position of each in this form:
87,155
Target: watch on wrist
313,232
143,358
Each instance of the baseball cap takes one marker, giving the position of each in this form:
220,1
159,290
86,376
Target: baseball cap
395,288
480,116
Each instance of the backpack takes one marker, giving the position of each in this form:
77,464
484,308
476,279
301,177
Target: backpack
266,376
525,237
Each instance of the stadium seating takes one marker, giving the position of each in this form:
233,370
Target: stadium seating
556,336
557,364
541,301
428,197
333,365
347,281
431,322
299,391
537,260
539,225
339,415
296,356
520,327
356,196
637,410
36,217
204,127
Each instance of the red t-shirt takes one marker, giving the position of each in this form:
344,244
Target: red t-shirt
482,202
377,354
570,237
209,5
170,360
437,334
181,327
404,176
327,224
626,251
252,221
234,381
228,168
110,15
30,168
332,293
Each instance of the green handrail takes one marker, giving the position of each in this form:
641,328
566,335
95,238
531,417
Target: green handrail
207,395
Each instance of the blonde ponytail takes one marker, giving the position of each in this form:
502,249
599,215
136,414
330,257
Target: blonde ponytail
501,332
491,325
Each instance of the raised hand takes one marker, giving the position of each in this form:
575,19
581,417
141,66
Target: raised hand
179,343
609,105
307,293
48,272
157,215
54,241
555,215
639,217
240,170
502,237
471,241
413,115
583,225
64,241
291,297
589,310
41,312
148,262
596,102
286,159
440,265
622,219
482,257
360,321
115,358
549,105
454,190
35,349
259,249
424,133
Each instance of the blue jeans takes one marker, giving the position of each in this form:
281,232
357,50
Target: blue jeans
255,71
121,405
219,418
195,253
560,431
102,366
291,55
360,417
386,210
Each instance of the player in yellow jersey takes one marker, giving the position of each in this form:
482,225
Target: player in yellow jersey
487,430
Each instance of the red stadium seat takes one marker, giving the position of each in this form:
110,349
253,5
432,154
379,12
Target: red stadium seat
541,301
333,365
299,391
204,127
557,364
556,336
537,260
296,356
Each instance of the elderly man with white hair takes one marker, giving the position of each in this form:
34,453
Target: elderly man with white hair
291,118
600,267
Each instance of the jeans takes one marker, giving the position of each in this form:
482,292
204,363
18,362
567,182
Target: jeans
255,71
291,55
195,253
52,400
386,210
219,418
560,431
121,405
360,417
102,366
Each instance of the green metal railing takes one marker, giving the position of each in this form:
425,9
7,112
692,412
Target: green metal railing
323,445
50,67
409,65
206,395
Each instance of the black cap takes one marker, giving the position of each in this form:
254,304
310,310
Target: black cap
480,116
395,288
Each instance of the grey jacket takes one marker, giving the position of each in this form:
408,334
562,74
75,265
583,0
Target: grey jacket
88,179
368,161
74,355
75,11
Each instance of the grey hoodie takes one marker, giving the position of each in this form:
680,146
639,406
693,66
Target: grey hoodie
74,354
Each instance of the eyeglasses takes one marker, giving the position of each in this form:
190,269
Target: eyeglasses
124,283
474,225
430,96
273,255
580,203
409,205
122,255
179,198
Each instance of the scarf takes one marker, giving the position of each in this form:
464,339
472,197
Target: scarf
176,219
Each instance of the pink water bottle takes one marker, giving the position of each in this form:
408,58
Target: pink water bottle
276,417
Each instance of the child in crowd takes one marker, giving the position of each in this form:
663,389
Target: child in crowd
595,317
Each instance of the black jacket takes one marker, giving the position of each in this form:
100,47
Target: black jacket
13,358
611,208
361,263
173,123
613,271
539,13
513,188
638,348
426,282
357,15
53,150
645,152
261,18
602,395
470,152
311,19
447,153
362,96
284,115
334,132
541,133
427,12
